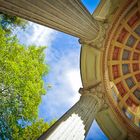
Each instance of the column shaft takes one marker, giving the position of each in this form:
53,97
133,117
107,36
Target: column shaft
75,124
69,16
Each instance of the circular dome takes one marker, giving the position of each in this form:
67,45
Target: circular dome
122,63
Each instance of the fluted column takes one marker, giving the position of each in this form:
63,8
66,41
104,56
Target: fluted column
75,124
69,16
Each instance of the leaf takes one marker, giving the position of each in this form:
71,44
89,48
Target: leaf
21,88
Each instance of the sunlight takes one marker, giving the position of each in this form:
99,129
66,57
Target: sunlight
75,82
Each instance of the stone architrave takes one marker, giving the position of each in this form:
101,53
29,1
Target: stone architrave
69,16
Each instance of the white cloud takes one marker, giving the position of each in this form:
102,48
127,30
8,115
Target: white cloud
41,35
64,75
75,83
36,34
65,79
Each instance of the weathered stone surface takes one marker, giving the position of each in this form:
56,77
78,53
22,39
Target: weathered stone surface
69,16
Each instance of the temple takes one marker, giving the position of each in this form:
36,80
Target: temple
109,63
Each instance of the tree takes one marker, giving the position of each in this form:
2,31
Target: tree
9,22
21,88
31,132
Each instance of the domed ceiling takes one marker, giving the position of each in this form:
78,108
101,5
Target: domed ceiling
123,62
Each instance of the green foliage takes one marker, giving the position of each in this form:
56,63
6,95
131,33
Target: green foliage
31,132
21,88
9,23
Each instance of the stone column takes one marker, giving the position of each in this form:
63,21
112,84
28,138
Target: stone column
69,16
75,124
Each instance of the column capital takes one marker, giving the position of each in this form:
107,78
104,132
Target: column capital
96,91
98,41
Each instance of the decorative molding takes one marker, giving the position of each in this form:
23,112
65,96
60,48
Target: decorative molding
98,92
99,40
106,9
125,123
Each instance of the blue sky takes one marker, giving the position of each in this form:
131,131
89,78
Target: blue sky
63,56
